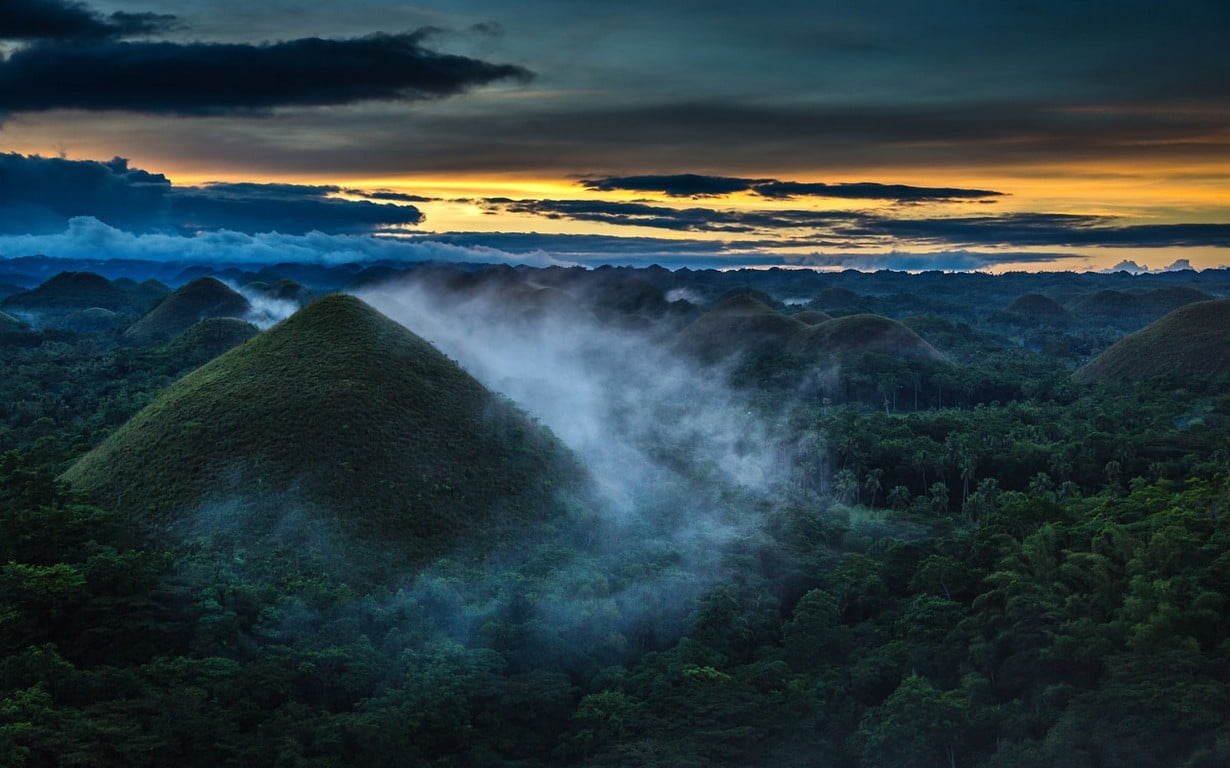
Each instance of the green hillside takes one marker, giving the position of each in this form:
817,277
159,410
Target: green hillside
344,413
1038,306
858,334
740,324
71,291
812,317
200,299
1192,341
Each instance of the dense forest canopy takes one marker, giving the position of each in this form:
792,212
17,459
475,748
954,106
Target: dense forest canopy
779,517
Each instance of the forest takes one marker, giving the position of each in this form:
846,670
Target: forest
460,515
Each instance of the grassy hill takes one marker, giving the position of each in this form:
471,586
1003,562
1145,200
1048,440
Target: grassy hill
812,317
344,414
1038,306
69,291
10,325
739,325
207,339
200,299
1192,341
1133,310
859,334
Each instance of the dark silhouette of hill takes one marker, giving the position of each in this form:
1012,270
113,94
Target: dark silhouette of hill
200,299
1193,342
836,297
739,325
1037,306
344,415
70,291
93,320
1132,310
812,317
10,325
854,335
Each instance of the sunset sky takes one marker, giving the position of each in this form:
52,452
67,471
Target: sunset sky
1073,134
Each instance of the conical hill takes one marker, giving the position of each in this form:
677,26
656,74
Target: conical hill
343,413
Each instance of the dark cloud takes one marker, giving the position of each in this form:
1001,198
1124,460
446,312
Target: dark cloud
384,194
676,185
218,78
697,185
40,195
867,190
1044,229
854,228
664,217
55,20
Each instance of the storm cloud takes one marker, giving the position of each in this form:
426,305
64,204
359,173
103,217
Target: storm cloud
54,20
236,78
40,195
856,228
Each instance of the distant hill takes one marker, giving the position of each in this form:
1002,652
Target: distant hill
200,299
10,325
92,320
1192,341
812,317
859,334
1132,310
739,325
345,415
69,291
282,290
1037,306
836,298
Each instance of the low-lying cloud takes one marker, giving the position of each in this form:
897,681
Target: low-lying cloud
90,239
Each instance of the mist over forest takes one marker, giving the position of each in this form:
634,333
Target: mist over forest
371,513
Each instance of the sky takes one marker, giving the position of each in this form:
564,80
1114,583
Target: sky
967,134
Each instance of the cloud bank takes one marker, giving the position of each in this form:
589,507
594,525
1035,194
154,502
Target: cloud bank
40,195
89,238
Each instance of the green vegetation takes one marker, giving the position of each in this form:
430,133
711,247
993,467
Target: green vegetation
344,412
202,298
1192,343
984,563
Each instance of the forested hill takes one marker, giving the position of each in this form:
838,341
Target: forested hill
975,558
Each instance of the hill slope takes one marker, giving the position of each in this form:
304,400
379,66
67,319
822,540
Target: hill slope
740,324
346,414
1038,306
70,291
202,298
1193,340
858,334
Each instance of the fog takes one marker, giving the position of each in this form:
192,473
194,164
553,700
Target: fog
682,466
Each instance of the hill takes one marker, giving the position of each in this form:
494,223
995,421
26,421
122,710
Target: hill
1192,341
812,317
10,325
738,325
836,297
69,291
1036,305
200,299
859,334
92,320
1132,310
344,414
207,339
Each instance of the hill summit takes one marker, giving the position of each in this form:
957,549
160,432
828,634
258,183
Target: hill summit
343,413
202,298
1192,341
